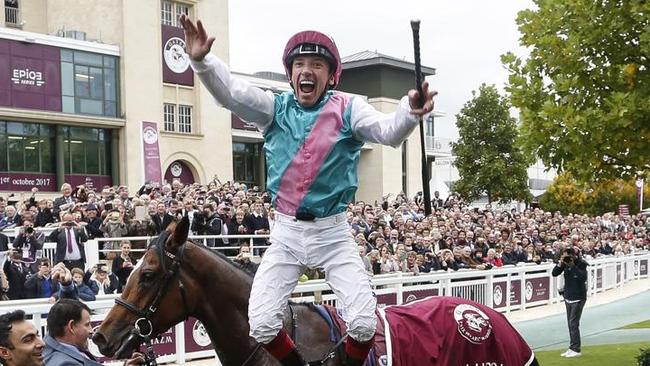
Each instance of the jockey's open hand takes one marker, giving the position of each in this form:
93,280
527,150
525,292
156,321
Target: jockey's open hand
197,42
414,100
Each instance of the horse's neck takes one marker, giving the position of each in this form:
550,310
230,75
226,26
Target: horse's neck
223,307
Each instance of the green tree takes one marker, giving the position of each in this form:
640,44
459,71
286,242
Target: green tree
568,195
487,159
584,91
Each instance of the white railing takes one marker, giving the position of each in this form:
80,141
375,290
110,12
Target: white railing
506,289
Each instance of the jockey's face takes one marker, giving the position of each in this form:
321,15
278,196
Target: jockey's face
310,76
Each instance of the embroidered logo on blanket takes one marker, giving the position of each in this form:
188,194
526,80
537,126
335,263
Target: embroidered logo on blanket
473,324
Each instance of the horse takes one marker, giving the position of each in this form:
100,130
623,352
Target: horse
178,279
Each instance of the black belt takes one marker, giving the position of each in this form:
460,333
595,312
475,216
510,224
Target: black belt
305,216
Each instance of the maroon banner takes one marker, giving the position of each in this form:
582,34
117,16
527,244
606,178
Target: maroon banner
176,63
151,152
499,293
163,345
238,124
179,171
413,295
623,210
387,299
95,182
30,76
26,181
196,337
537,289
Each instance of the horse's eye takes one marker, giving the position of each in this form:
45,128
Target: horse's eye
146,276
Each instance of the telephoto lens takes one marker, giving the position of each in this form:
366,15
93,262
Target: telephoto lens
29,230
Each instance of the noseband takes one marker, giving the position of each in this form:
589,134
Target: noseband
143,328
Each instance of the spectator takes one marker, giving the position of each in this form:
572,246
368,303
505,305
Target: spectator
447,260
28,241
162,218
41,284
44,215
70,240
101,282
11,218
63,203
258,223
243,258
93,222
208,223
16,271
409,265
387,262
69,329
78,289
493,258
238,226
364,258
124,263
20,343
114,227
575,295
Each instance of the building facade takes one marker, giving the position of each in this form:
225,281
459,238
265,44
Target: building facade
94,91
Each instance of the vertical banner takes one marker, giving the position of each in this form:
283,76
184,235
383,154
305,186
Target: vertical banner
176,63
151,152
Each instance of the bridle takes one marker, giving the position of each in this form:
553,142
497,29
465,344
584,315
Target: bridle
143,328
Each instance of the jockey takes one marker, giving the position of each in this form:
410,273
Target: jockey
312,140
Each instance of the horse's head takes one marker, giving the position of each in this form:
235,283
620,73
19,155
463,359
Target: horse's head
153,299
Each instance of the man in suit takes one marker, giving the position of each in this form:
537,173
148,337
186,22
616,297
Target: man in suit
16,271
63,203
68,325
164,216
70,239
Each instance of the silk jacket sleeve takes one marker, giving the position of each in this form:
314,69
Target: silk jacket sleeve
392,129
248,102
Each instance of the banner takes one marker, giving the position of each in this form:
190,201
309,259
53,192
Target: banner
176,63
30,76
151,153
45,182
499,293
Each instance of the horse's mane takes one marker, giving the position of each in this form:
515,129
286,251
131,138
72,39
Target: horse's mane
247,271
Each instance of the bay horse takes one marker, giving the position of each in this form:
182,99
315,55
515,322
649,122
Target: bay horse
178,279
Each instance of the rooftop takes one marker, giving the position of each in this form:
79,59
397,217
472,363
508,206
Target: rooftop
369,58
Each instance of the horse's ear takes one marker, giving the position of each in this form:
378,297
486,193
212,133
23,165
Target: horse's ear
179,235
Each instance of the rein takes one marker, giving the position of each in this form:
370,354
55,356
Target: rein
143,328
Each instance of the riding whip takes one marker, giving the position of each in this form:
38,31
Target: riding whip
415,26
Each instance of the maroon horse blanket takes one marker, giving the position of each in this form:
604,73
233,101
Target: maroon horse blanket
441,331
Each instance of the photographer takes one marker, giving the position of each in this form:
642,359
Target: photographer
574,293
70,239
244,259
28,241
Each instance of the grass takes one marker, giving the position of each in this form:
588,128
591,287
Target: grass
611,354
639,325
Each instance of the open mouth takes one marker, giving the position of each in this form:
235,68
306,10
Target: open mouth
307,86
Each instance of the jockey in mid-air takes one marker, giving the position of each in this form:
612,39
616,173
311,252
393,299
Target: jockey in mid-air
312,140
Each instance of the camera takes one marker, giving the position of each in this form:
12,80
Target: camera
567,259
29,230
69,224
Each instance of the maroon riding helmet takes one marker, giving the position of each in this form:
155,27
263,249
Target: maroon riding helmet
312,43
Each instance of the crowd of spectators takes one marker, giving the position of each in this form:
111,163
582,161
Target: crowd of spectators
393,234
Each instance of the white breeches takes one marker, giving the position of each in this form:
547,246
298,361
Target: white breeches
325,243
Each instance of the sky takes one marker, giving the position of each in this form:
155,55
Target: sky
461,39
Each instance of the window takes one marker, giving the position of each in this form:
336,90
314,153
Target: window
246,162
89,83
166,13
26,147
86,150
12,17
184,118
169,112
170,13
